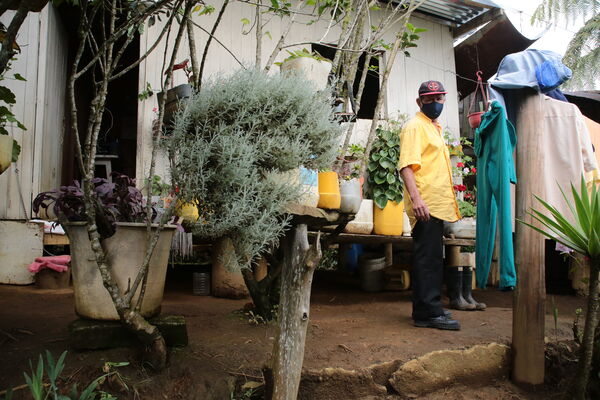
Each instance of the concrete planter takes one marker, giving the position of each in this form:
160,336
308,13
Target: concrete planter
125,250
464,228
363,221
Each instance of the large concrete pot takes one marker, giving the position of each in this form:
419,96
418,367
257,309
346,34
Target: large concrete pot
125,251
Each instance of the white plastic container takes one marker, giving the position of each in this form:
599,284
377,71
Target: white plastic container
462,229
351,194
363,220
314,70
406,229
310,185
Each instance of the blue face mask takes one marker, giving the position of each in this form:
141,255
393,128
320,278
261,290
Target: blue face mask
432,110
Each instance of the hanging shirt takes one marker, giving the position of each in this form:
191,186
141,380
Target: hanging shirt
568,154
422,147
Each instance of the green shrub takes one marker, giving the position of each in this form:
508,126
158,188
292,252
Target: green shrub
232,141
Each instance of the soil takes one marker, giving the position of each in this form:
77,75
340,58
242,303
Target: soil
348,328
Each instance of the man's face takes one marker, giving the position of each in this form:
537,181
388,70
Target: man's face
430,98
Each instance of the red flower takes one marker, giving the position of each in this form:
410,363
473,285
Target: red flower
460,165
460,188
474,170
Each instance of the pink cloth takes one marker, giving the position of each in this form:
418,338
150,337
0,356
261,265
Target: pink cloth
57,263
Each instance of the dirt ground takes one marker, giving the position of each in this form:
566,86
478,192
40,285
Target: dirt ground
348,328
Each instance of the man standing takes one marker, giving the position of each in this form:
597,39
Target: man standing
429,199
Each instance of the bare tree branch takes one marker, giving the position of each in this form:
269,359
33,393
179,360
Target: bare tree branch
211,35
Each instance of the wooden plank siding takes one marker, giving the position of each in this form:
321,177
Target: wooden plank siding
40,107
432,59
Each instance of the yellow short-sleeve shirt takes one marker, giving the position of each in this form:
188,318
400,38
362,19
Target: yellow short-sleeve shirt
422,147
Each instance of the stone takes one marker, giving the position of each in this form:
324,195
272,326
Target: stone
478,365
86,334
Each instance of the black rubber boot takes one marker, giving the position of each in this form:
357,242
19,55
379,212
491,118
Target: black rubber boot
454,281
467,282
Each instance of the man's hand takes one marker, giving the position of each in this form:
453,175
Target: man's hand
420,209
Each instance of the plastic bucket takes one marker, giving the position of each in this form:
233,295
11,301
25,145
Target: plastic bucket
201,283
350,192
371,272
390,220
329,191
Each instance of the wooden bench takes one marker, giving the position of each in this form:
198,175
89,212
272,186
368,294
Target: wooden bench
452,245
398,271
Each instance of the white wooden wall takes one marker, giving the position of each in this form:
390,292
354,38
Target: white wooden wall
40,107
432,59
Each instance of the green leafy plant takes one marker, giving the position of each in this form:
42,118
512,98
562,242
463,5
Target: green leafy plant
52,370
352,162
466,209
7,117
583,236
409,37
159,188
384,180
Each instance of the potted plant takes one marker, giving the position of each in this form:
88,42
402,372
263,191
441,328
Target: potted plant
385,184
120,215
177,94
9,148
314,67
350,182
463,173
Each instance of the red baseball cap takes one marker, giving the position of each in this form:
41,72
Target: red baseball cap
431,87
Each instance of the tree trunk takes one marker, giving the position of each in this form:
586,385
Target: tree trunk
587,344
299,264
260,294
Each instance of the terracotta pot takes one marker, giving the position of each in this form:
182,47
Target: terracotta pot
475,119
388,221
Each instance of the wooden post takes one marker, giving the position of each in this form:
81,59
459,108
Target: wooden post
300,261
530,295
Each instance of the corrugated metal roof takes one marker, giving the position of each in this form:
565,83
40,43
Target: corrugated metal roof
455,12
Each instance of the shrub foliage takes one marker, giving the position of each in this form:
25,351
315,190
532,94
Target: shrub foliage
231,143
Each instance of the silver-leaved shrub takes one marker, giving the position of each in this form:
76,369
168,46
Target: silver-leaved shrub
231,144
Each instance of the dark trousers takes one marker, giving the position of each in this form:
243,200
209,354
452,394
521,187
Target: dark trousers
428,269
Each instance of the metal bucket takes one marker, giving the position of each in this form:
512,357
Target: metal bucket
201,283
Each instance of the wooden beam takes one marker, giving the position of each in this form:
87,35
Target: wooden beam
382,239
529,302
477,22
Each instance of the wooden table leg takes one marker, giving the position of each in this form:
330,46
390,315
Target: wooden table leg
389,254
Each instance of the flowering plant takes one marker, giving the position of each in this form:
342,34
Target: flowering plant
464,172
